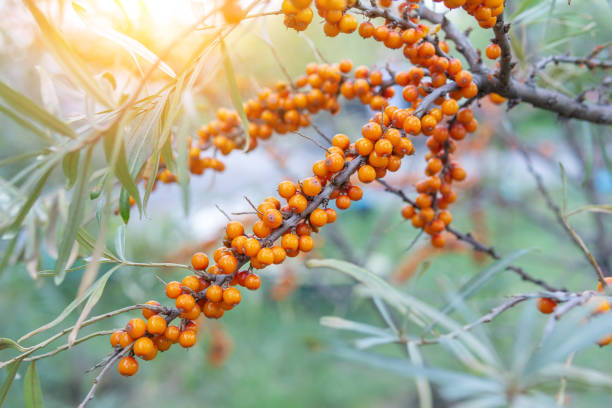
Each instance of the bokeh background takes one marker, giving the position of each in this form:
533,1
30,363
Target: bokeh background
271,351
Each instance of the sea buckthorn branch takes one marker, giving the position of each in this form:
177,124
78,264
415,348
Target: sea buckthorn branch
30,350
462,43
588,61
397,22
489,250
526,92
601,238
505,64
477,245
560,216
118,354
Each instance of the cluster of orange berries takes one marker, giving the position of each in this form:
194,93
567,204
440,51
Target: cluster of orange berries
298,15
436,192
484,11
600,306
193,296
284,109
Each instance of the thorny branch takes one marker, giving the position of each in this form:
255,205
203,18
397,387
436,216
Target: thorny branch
478,246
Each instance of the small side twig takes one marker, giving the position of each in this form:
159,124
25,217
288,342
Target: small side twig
97,380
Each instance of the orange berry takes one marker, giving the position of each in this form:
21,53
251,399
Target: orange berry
318,217
251,247
290,242
366,29
297,203
125,339
366,173
143,346
408,212
450,107
114,338
302,229
173,289
213,310
185,302
346,66
252,282
412,125
172,333
605,341
148,312
334,162
423,201
463,78
156,324
546,305
192,282
272,218
272,200
311,186
286,189
279,254
187,338
162,343
228,264
355,193
214,293
383,147
600,287
306,243
231,296
446,217
343,202
341,140
372,131
199,261
233,229
438,241
364,146
136,328
265,256
128,366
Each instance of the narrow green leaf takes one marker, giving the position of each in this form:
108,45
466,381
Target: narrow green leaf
70,165
481,278
124,205
168,156
85,239
114,138
65,313
97,190
66,56
11,371
340,323
31,110
151,169
27,124
423,387
404,303
77,212
15,226
96,294
235,93
128,43
8,343
120,242
8,251
32,392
